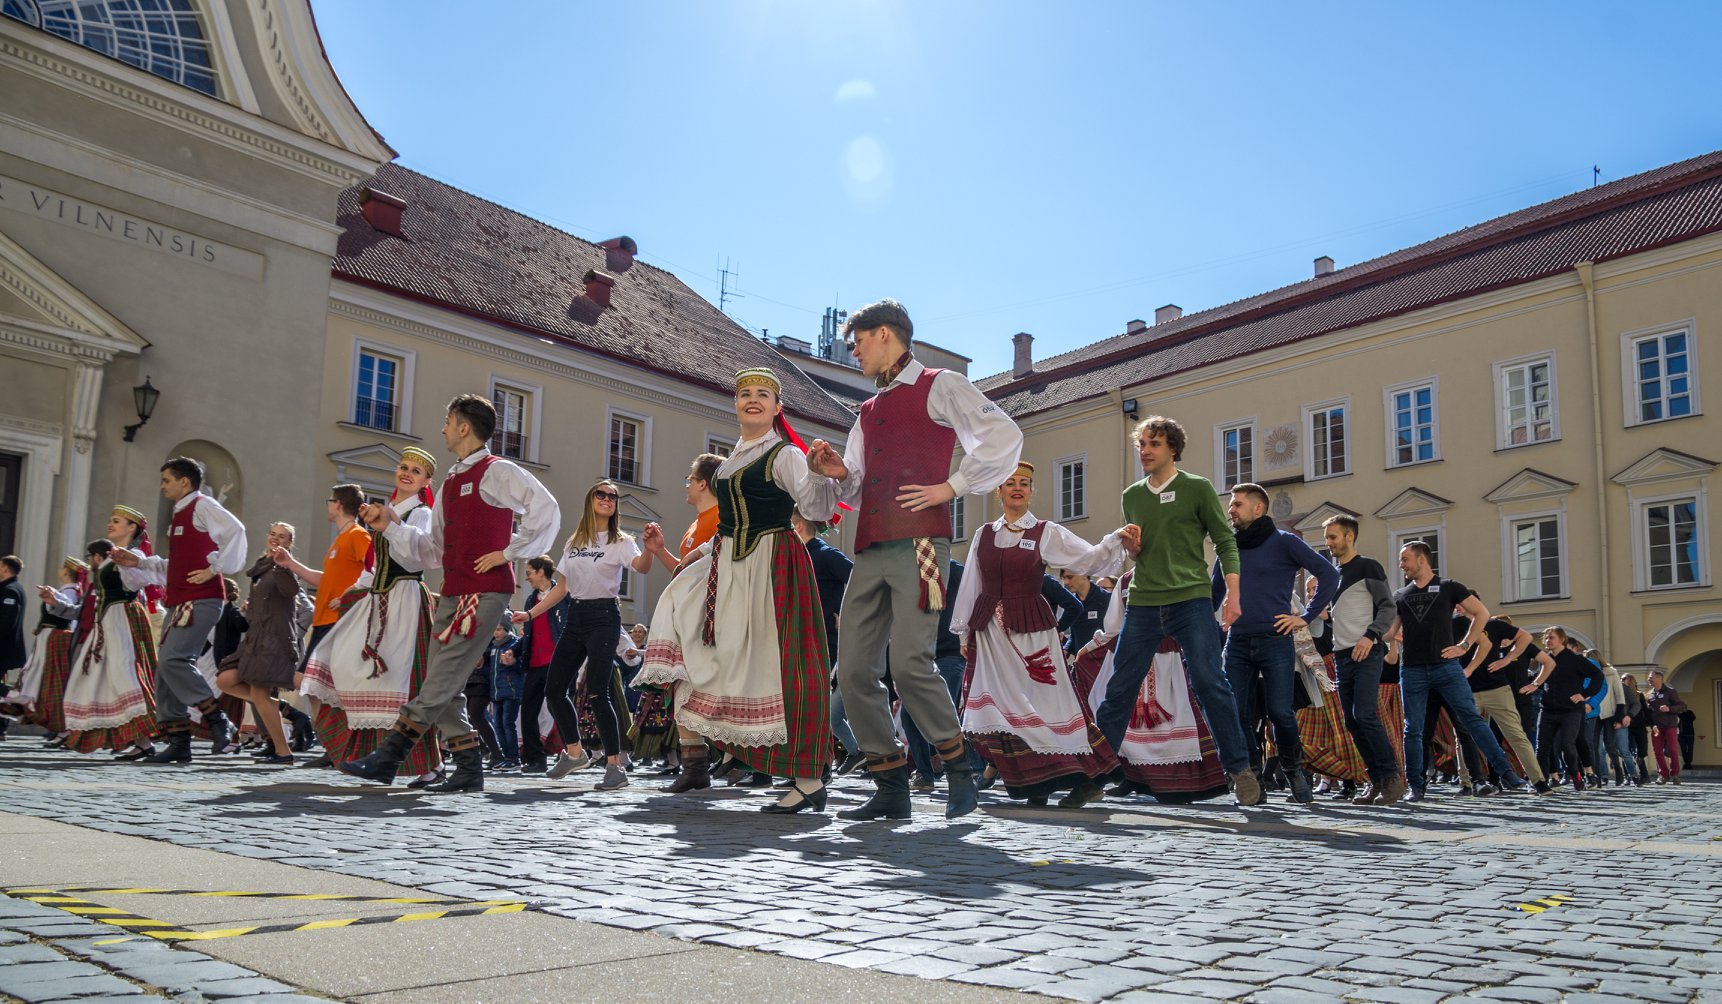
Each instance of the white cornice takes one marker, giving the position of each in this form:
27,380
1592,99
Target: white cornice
75,318
306,82
375,307
1413,502
1528,485
224,50
164,102
1663,464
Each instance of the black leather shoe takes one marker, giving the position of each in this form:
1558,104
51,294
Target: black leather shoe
177,749
320,761
380,766
802,800
437,776
277,760
221,732
753,779
134,753
468,774
961,795
890,797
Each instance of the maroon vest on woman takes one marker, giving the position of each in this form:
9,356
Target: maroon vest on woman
472,528
904,447
1011,578
188,550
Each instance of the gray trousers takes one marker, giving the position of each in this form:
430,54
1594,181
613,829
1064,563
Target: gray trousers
179,687
442,697
882,609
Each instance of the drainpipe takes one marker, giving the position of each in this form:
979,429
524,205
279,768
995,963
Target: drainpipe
1587,277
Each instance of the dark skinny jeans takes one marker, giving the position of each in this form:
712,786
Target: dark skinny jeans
589,640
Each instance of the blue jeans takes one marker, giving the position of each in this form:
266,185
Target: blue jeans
1620,744
1446,678
507,734
1360,698
1270,657
921,752
840,724
1192,624
1600,741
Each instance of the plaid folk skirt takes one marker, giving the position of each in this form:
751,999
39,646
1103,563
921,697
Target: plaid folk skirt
140,726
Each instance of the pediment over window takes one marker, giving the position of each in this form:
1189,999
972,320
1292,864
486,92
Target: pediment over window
367,463
1530,484
631,507
1311,522
36,299
1414,502
1664,464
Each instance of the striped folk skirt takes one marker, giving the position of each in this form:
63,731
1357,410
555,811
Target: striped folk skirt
41,691
110,693
762,691
335,675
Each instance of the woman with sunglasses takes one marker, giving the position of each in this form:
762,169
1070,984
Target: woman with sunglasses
593,562
740,632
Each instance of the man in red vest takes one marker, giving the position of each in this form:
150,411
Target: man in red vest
896,472
204,542
473,540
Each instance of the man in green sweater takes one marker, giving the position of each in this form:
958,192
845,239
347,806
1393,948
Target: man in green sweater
1171,594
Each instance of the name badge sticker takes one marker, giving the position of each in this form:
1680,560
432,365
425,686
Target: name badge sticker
1166,497
178,531
466,489
1094,615
1027,545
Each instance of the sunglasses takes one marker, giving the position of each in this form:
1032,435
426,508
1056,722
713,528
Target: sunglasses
605,496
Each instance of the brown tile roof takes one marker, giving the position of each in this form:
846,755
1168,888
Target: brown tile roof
478,258
1672,203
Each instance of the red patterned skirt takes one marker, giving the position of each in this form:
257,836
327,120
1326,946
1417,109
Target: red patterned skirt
142,727
50,709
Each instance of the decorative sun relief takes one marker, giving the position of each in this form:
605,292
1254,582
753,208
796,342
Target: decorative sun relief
1279,448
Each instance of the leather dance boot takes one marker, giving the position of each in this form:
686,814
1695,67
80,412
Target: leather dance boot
382,763
959,777
468,775
176,748
221,730
890,799
696,770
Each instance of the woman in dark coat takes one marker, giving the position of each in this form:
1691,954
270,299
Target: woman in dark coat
269,653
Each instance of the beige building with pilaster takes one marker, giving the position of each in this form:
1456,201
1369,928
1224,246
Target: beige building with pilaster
1525,395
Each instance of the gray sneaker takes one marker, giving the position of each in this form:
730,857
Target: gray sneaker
614,777
566,765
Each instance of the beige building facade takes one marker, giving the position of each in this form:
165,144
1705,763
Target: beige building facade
167,194
1536,416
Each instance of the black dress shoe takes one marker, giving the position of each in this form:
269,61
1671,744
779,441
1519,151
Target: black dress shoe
803,800
320,761
753,779
276,760
436,777
135,753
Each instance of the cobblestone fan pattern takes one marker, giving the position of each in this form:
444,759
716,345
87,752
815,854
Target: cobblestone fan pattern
1130,901
50,956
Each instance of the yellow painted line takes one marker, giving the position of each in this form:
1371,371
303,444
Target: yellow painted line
1545,904
324,925
407,918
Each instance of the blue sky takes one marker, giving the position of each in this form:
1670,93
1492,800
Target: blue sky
1003,167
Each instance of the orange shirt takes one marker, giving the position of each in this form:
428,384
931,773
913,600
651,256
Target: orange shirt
700,530
342,567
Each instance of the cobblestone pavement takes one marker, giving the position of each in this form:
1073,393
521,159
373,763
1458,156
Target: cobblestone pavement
1127,901
50,956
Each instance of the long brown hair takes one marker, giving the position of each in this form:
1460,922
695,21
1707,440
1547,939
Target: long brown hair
587,532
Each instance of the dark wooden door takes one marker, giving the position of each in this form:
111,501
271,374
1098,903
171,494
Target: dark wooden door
11,476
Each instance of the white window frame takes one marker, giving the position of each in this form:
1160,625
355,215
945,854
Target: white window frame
625,593
642,450
959,518
1503,434
1629,400
1510,523
1223,481
1641,539
1058,505
404,399
1397,538
1309,413
534,395
727,442
1433,384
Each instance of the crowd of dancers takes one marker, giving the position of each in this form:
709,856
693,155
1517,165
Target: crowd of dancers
773,658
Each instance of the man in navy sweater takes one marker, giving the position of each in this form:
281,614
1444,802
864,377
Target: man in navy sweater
1259,644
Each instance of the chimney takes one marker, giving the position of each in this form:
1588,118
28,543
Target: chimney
1135,326
1170,312
598,286
1024,363
1323,266
619,253
382,211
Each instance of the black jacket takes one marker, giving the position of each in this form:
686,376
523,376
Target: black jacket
1574,674
12,607
831,569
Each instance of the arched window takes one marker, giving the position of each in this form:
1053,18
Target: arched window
160,36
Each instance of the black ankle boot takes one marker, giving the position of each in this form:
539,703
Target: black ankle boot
963,796
221,730
380,766
468,773
890,795
176,748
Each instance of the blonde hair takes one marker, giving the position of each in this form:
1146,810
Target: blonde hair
587,531
292,534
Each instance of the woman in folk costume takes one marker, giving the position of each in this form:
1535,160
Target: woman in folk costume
740,632
1022,711
40,695
1167,751
268,654
110,696
372,660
